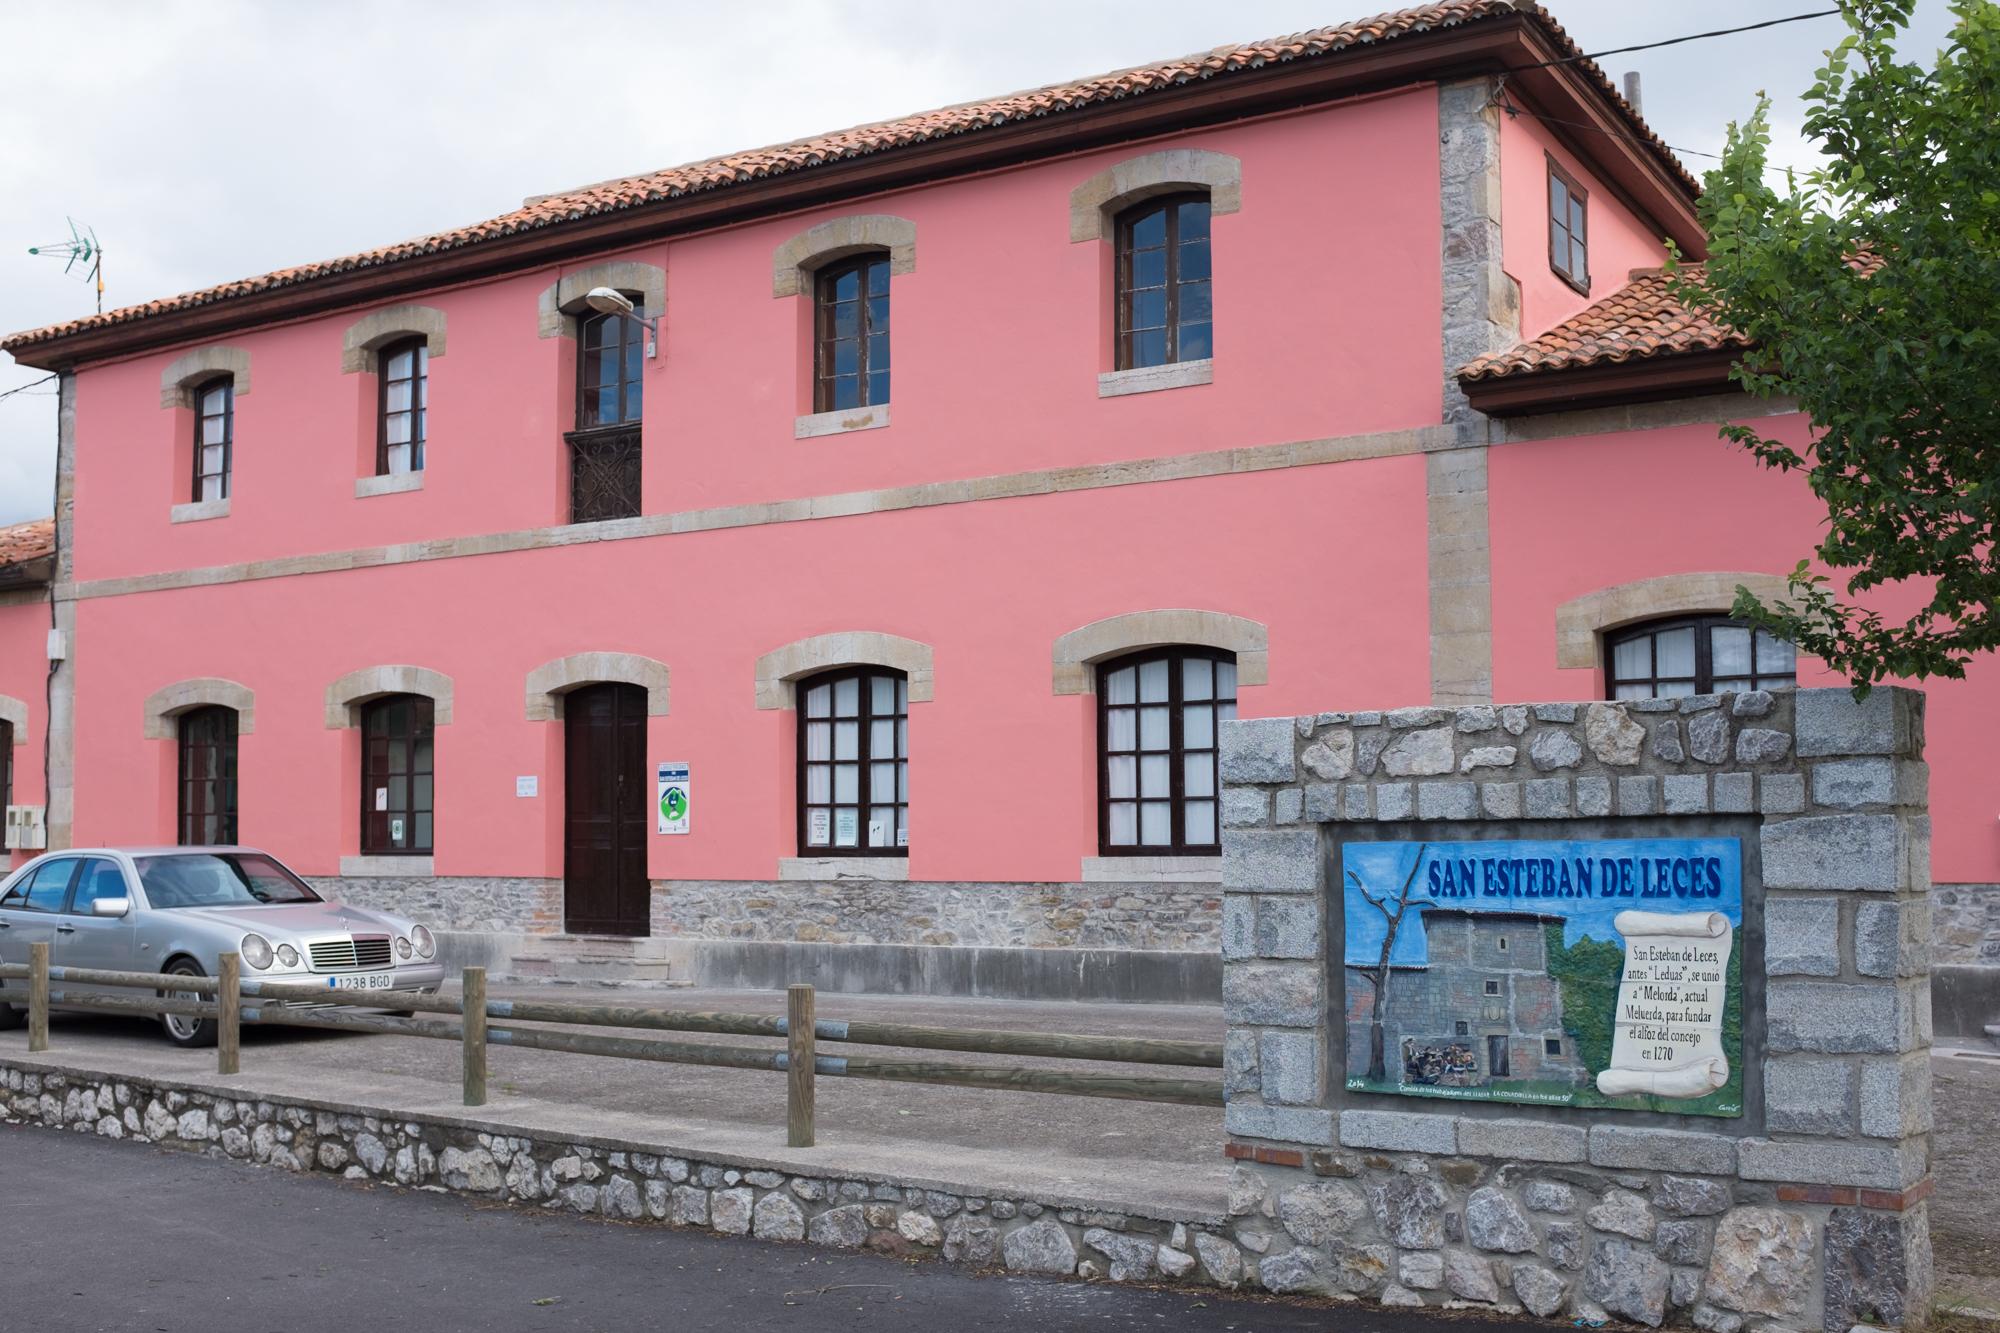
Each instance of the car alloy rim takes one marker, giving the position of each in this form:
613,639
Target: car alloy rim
181,1025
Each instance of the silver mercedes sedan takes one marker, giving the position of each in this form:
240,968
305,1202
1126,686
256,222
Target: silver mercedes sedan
176,910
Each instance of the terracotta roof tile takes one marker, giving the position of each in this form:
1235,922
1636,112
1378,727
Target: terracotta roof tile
888,136
1639,321
23,542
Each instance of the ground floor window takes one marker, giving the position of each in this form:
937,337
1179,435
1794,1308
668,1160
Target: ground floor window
1158,713
398,767
208,777
854,763
1663,659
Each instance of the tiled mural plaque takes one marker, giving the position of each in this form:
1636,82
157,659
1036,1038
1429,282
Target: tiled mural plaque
1601,972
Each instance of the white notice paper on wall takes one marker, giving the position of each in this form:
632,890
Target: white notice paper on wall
674,791
526,786
1668,1038
381,798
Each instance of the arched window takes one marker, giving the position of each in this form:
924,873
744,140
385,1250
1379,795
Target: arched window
851,334
604,447
398,767
1156,725
854,763
207,777
1163,282
1694,655
214,438
405,398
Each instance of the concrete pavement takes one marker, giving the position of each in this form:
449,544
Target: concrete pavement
113,1236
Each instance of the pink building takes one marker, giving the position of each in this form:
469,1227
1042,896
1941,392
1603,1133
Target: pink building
1321,371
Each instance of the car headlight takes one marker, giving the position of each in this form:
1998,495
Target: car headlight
402,947
256,951
426,946
288,955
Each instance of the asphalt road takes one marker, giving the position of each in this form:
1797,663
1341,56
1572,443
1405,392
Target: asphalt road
100,1235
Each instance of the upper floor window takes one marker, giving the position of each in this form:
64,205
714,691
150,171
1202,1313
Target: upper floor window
398,768
1157,713
405,377
605,447
1163,283
214,438
1569,228
851,334
612,349
207,777
854,763
1695,655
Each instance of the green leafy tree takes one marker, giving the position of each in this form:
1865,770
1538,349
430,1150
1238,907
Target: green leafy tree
1870,290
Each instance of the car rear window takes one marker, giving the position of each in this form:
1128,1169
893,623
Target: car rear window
219,879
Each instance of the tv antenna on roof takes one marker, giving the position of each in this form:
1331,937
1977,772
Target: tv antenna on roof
83,248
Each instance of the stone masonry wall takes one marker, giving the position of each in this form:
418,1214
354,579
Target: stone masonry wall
1965,924
1813,1215
1180,918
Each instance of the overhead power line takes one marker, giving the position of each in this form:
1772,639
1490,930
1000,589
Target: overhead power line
1676,41
23,388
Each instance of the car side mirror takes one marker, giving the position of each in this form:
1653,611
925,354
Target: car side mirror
110,906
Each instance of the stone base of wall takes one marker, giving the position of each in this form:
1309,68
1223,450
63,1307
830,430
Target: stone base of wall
1150,943
1965,926
1648,1246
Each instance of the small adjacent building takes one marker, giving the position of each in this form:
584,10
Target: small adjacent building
929,491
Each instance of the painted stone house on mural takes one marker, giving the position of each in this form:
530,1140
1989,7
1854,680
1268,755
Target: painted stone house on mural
938,582
1481,1009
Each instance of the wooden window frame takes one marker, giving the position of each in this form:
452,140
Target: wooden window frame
1560,227
1123,294
602,443
419,381
228,414
1703,680
224,783
864,759
423,724
1176,752
824,340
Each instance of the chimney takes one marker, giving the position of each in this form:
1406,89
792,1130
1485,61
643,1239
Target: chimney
1632,89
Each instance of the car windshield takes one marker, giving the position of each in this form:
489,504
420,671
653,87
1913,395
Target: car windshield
220,879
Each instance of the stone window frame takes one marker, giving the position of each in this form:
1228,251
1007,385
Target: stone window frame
345,696
1094,209
1075,656
163,707
559,304
181,383
1582,623
365,337
795,268
548,683
778,670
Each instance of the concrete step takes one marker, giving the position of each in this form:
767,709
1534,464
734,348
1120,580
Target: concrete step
592,960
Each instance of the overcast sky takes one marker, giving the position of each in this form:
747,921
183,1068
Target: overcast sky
206,140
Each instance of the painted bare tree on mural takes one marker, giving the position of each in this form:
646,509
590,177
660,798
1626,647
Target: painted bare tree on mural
1392,912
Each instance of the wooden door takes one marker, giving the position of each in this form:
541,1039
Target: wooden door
605,890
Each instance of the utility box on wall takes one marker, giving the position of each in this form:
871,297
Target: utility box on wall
27,830
1622,1008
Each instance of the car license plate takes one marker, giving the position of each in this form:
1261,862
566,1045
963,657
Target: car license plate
361,981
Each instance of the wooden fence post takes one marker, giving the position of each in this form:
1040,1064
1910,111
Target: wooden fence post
229,1013
472,1024
799,1060
38,996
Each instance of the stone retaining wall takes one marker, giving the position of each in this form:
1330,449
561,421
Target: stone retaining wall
1966,926
1808,1209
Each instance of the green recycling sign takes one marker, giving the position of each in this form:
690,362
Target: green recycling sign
673,788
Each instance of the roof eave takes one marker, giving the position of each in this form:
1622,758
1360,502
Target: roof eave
1483,45
1649,379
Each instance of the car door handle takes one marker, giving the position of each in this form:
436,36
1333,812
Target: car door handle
65,930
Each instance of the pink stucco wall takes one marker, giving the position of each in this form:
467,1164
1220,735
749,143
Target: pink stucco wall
1572,516
1326,324
1619,242
24,672
1002,769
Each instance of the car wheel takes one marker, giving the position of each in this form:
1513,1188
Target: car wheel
10,1017
183,1030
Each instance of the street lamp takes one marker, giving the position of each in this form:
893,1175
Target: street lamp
611,301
